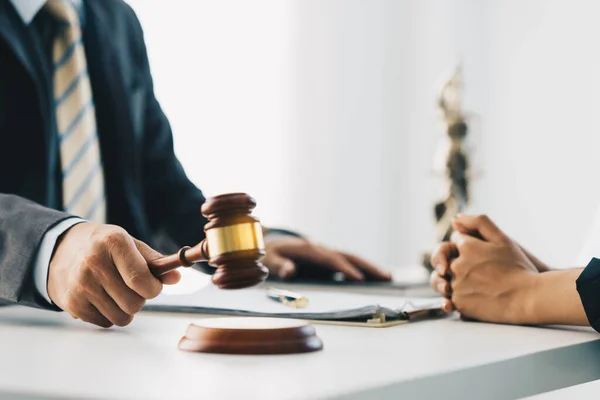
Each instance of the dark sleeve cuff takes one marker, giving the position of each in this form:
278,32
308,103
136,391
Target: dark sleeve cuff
588,286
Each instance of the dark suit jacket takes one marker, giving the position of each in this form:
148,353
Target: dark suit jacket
147,189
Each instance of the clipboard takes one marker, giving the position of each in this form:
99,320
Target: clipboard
325,306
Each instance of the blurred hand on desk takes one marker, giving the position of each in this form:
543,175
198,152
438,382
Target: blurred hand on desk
290,257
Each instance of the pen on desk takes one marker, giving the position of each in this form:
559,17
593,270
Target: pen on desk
427,313
287,297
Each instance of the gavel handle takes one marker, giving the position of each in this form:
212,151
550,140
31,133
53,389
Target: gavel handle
185,257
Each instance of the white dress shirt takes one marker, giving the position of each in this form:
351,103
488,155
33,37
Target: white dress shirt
27,10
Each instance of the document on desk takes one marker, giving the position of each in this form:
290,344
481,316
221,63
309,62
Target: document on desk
323,305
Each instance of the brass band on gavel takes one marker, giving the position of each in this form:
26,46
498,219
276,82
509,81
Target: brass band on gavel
239,237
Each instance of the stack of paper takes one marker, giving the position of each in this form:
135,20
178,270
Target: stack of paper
323,305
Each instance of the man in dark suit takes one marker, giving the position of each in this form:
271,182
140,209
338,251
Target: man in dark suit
84,144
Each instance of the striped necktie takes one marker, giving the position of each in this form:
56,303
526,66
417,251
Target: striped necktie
82,175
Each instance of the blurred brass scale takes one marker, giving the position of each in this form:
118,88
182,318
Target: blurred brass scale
234,244
455,160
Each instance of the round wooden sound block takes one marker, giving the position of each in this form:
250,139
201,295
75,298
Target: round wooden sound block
248,335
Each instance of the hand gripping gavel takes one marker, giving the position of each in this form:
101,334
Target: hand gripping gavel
234,244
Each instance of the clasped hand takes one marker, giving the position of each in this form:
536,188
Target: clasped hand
484,274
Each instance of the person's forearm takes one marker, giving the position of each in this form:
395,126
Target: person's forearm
554,299
24,223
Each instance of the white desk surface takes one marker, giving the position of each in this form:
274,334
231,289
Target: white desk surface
585,391
51,354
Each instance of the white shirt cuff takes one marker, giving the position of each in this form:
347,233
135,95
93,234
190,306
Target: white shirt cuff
44,254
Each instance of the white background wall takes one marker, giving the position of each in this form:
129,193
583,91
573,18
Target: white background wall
325,111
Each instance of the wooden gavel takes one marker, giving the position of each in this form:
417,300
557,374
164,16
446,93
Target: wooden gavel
234,244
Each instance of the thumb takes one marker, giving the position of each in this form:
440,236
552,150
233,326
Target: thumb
479,226
281,267
146,251
149,254
170,278
448,306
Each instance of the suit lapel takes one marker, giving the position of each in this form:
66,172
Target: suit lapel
18,38
14,33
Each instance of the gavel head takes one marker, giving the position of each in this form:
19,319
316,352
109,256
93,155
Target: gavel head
234,241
